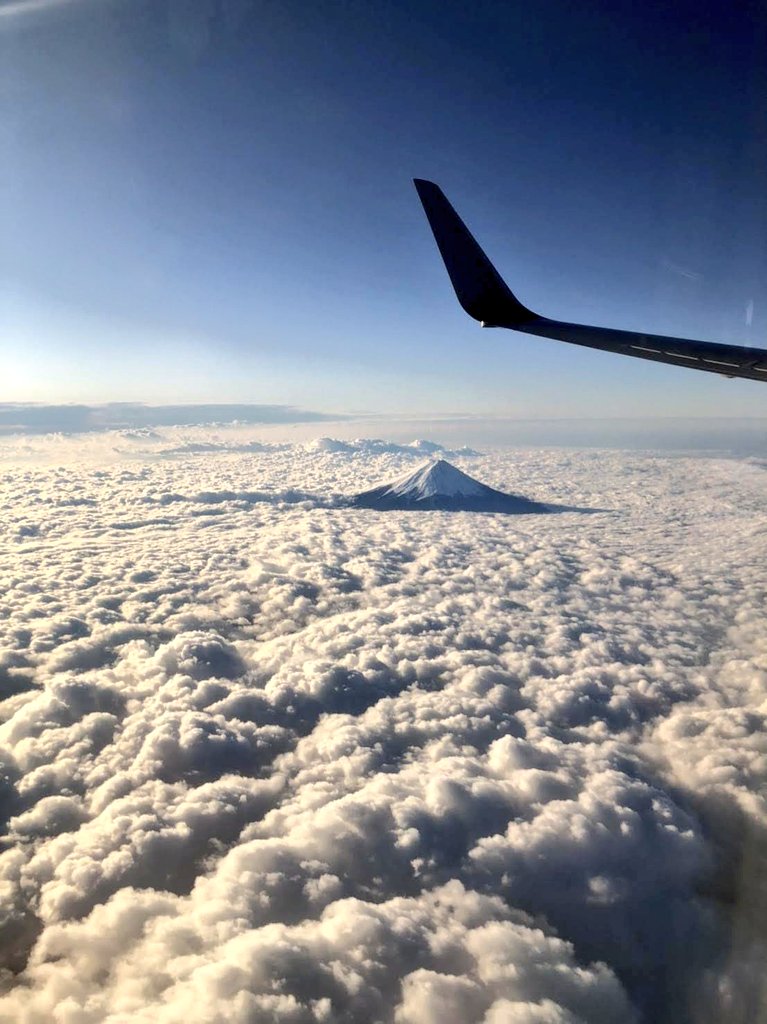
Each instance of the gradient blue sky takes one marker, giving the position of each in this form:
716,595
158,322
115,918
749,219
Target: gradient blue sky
212,201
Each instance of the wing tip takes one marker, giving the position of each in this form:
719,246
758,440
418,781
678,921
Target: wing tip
478,286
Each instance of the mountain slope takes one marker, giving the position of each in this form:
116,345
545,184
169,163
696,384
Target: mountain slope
438,485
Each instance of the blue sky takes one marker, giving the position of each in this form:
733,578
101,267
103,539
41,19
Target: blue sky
212,202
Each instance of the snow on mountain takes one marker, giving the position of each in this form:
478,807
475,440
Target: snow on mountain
438,485
437,478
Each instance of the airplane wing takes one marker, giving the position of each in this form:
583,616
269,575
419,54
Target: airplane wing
485,296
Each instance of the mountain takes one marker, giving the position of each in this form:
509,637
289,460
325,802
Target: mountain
438,485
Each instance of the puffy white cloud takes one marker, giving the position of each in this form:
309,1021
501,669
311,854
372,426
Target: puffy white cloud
374,446
445,955
269,758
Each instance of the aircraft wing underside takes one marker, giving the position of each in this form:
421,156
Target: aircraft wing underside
485,296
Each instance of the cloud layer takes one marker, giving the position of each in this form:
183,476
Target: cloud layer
40,418
266,759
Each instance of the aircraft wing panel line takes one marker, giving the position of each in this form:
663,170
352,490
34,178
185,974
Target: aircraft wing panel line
726,360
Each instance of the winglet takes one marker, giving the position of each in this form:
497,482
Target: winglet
484,295
479,287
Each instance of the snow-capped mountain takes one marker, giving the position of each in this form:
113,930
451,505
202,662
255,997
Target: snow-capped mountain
438,485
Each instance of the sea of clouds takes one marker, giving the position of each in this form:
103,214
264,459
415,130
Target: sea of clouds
268,758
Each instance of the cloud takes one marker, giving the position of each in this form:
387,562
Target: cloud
132,418
375,446
291,761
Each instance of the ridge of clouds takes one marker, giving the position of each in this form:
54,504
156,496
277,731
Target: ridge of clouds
307,763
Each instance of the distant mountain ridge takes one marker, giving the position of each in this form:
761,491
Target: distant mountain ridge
437,485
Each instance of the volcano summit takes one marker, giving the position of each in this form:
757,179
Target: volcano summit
437,485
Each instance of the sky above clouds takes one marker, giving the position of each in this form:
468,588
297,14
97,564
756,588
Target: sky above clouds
266,757
211,201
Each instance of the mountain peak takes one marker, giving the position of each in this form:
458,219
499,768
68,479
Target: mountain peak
436,477
437,484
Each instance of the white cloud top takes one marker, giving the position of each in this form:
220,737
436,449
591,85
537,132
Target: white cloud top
267,759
